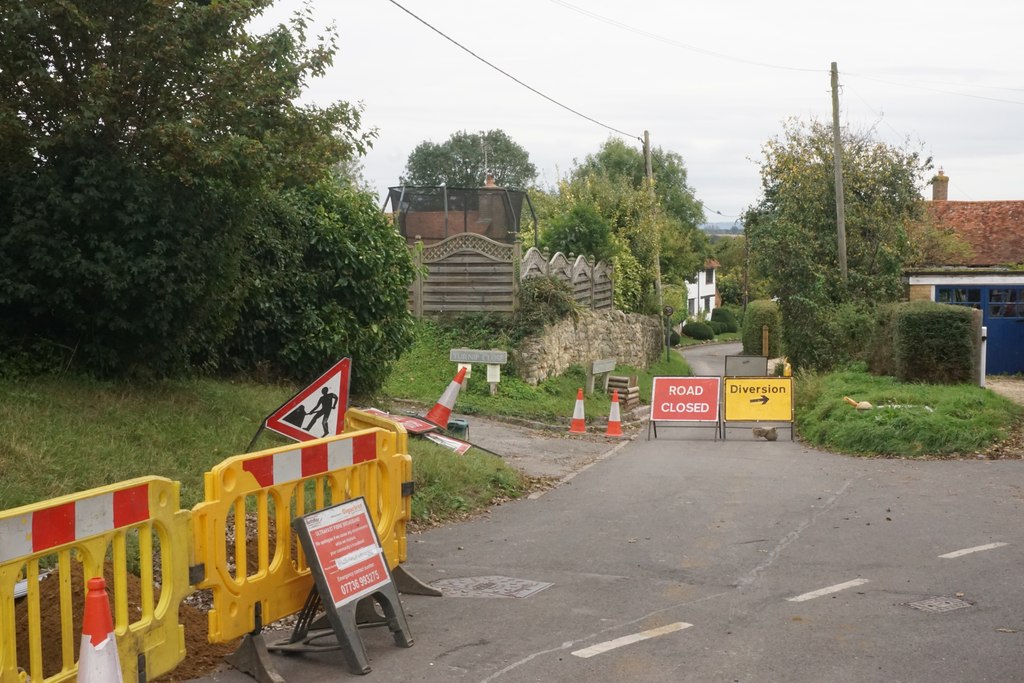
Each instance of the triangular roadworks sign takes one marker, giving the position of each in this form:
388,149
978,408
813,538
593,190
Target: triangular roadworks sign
318,410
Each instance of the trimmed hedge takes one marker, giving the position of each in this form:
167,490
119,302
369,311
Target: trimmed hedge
698,330
760,313
934,343
726,318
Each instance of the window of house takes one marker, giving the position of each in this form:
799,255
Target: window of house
707,304
1006,303
709,276
691,306
960,296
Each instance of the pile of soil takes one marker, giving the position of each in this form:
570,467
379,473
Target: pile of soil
201,657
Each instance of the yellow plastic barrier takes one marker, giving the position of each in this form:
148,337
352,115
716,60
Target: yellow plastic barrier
267,490
94,528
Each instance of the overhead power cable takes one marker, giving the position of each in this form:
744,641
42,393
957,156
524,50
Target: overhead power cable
676,43
911,84
733,58
508,75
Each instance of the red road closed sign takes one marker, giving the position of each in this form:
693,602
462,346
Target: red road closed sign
685,399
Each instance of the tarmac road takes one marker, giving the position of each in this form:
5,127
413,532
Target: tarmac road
688,559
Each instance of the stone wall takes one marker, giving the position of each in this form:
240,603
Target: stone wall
629,338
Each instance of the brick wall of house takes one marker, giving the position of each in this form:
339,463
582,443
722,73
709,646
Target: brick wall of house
920,293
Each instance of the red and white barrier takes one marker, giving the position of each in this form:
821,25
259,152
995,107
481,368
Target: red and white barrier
97,660
72,521
614,418
442,410
281,467
579,423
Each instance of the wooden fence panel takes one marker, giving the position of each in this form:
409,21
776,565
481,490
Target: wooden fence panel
469,272
466,272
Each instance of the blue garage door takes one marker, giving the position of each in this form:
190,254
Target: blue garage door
1003,309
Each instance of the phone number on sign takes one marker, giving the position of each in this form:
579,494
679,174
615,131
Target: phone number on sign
362,582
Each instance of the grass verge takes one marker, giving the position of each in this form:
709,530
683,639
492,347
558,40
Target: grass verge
60,436
424,371
908,420
450,486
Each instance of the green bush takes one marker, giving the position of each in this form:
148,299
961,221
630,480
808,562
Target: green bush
934,343
328,277
673,338
718,327
698,330
726,318
541,301
880,353
823,337
760,313
852,326
737,312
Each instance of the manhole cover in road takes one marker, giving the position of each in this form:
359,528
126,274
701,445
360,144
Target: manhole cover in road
939,604
489,587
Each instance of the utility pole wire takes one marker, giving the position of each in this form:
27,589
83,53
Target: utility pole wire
508,75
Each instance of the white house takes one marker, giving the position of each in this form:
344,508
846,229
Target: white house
702,291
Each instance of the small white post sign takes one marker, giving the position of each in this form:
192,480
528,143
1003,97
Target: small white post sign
493,358
603,366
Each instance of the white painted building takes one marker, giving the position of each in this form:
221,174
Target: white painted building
702,291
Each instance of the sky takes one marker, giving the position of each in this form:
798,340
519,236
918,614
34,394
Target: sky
712,81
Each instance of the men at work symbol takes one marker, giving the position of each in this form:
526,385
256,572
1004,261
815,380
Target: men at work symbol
327,403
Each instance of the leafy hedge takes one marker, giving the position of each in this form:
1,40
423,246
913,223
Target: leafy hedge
933,342
726,318
327,276
760,313
698,330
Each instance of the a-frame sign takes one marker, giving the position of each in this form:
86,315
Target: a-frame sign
318,410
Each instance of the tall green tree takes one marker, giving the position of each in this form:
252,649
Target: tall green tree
792,227
682,246
137,139
464,159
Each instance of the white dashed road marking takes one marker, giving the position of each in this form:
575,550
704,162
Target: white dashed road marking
968,551
628,640
826,591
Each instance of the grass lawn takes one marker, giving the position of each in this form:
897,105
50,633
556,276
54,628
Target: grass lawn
911,420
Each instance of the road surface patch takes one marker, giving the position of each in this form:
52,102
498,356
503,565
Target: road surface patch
489,587
828,591
601,648
968,551
939,604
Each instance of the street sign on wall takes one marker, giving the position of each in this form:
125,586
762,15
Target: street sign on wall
758,399
490,357
685,399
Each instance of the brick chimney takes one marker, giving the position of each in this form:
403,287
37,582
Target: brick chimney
940,187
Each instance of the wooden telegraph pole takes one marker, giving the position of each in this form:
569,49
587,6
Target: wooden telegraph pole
837,154
649,172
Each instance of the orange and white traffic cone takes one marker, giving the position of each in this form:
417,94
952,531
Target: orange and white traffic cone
97,660
614,420
579,423
442,410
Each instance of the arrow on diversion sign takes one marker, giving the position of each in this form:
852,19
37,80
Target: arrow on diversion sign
762,400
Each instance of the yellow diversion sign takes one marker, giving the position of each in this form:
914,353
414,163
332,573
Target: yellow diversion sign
758,399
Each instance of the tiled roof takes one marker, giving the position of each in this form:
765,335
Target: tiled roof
994,230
